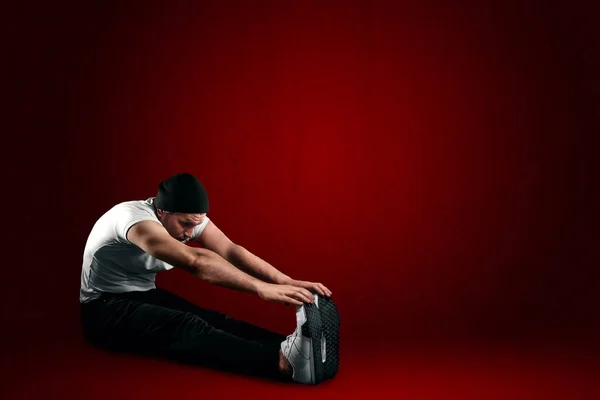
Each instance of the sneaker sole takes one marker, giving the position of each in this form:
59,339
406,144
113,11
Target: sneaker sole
313,328
330,319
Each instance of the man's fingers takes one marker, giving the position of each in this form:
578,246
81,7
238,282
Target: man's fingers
304,295
327,291
319,288
301,294
293,300
309,295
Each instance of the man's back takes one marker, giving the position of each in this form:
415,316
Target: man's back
113,264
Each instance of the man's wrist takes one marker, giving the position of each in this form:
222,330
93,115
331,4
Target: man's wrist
259,285
284,280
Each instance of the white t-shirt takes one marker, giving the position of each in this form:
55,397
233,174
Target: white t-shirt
111,263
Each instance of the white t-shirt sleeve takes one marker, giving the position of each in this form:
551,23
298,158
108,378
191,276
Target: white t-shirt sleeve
129,216
199,228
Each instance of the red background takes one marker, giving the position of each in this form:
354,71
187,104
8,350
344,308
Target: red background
433,165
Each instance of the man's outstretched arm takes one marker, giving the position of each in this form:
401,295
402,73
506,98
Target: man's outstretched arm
151,237
214,239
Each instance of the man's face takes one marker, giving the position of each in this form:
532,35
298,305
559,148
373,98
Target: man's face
179,225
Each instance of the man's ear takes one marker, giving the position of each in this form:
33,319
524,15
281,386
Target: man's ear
160,212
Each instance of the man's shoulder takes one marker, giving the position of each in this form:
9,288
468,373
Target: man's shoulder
127,213
132,209
135,205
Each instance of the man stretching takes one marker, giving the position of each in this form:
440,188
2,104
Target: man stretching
123,310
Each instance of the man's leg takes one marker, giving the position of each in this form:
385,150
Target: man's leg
119,322
217,319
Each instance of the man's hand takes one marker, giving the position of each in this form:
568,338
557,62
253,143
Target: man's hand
286,294
317,287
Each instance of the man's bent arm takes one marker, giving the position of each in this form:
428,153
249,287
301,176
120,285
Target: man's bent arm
255,266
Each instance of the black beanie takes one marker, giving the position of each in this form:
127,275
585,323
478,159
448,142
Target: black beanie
182,193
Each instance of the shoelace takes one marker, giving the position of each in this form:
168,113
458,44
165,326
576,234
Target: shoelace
293,338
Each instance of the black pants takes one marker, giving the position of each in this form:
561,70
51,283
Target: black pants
159,323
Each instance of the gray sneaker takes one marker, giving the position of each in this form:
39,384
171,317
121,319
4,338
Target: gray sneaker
300,349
